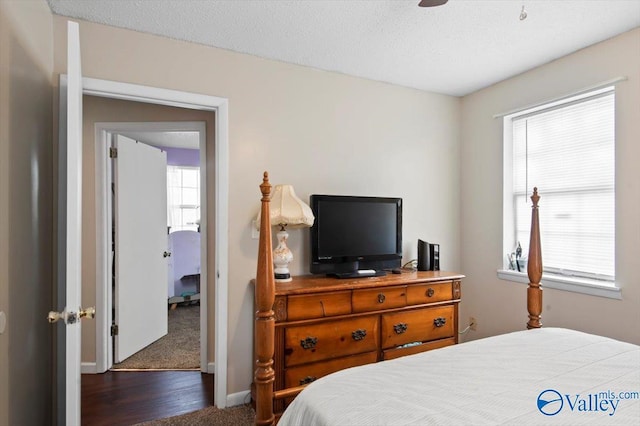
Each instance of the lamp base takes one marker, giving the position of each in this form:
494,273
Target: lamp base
282,256
282,278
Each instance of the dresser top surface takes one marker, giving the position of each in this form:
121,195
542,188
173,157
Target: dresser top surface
305,284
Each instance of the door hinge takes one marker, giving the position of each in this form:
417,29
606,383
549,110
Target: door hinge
114,329
113,152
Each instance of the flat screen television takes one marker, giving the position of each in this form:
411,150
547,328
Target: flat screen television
352,233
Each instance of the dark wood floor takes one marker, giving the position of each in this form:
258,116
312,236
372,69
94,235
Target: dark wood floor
128,397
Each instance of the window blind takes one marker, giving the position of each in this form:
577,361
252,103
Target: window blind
568,152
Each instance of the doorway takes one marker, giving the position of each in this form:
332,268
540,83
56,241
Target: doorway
158,133
218,178
177,305
70,272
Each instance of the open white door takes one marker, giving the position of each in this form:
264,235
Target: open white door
140,204
69,235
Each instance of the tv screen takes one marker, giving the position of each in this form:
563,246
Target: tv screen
351,233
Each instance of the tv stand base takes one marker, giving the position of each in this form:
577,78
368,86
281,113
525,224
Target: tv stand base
360,273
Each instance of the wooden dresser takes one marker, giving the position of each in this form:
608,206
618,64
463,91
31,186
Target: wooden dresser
327,324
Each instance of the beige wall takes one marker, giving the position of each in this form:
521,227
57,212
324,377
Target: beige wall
26,208
96,109
322,132
499,306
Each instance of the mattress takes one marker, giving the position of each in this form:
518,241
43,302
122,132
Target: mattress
543,376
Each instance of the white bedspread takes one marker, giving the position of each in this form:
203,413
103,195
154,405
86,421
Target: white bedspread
496,380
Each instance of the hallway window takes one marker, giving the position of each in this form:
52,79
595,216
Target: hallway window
183,198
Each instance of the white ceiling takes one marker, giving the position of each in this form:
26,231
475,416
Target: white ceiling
454,49
176,139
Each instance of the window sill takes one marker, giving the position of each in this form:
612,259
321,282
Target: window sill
577,285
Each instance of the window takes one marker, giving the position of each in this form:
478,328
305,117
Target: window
183,198
567,150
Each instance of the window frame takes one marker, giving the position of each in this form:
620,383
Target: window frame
183,206
580,283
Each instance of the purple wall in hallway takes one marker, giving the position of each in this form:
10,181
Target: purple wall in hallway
183,157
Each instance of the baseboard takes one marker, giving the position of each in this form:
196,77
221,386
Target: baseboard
211,368
238,398
88,368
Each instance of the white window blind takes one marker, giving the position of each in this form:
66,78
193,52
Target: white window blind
568,152
183,198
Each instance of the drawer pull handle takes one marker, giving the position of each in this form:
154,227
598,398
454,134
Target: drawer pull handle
309,343
430,292
359,334
400,328
307,380
440,321
381,297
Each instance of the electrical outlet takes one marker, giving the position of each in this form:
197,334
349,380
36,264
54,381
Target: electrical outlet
473,323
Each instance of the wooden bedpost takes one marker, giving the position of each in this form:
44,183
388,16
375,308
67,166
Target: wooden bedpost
265,320
534,267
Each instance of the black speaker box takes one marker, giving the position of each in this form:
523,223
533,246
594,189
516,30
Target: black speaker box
428,256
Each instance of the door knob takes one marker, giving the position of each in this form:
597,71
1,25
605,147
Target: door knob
56,316
166,254
88,312
70,317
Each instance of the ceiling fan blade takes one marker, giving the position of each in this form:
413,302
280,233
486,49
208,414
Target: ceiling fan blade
431,3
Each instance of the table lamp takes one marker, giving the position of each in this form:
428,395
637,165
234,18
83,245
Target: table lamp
287,210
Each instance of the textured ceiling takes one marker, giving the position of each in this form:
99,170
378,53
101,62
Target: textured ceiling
455,49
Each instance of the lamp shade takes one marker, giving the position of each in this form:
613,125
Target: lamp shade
287,209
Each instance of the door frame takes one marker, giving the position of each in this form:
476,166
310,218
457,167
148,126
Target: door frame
175,98
104,293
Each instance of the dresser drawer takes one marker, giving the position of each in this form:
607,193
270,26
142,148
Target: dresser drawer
304,374
419,325
398,352
330,339
429,293
321,305
379,298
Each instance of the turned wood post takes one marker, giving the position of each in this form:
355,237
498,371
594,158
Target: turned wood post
534,267
265,320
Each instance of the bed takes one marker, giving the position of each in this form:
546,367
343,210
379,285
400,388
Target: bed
496,380
550,375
